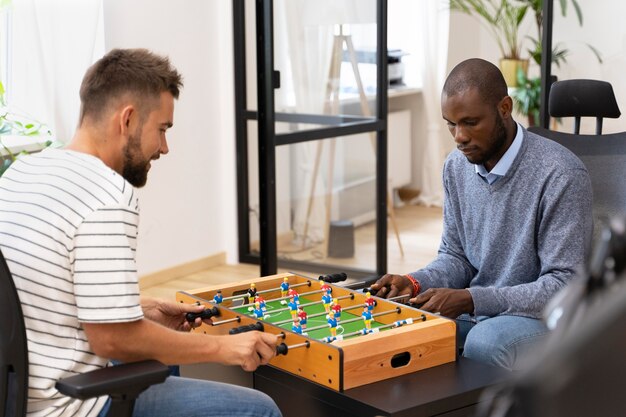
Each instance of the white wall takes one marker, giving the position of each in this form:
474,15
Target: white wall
188,207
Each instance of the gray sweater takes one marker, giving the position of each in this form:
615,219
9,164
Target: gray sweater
514,243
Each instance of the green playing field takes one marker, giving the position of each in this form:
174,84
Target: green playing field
276,313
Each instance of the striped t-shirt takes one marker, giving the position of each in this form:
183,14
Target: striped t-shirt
68,230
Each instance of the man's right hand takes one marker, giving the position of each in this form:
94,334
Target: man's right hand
249,350
392,285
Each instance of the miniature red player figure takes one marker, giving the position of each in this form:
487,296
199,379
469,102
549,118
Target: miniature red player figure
326,300
284,287
369,301
336,309
251,293
258,312
293,294
332,323
293,308
302,316
261,301
367,317
325,287
297,326
217,298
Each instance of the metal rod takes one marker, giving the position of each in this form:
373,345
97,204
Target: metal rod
384,326
309,304
397,310
308,283
299,345
245,295
217,323
399,297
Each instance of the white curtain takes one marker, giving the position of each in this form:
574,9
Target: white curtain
435,21
52,45
303,54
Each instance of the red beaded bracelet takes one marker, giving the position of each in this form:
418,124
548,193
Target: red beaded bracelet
416,285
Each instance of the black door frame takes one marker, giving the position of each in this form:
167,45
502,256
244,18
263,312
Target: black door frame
334,126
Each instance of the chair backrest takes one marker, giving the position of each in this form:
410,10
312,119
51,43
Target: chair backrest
583,98
13,349
604,157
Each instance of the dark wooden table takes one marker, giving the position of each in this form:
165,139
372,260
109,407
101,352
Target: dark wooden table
450,390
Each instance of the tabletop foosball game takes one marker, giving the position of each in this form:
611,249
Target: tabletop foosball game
334,336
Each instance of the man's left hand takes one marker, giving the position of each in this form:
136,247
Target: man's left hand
445,301
171,314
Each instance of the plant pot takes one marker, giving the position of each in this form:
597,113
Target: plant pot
509,69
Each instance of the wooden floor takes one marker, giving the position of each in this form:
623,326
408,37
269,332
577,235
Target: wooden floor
420,232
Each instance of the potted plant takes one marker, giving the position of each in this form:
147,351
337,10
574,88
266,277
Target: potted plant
15,124
527,94
559,53
502,18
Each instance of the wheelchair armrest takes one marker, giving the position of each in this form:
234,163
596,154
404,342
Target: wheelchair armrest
126,380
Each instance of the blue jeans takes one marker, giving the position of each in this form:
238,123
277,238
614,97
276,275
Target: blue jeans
185,397
503,341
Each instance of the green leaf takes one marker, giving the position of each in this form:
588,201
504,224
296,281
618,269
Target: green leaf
579,12
5,165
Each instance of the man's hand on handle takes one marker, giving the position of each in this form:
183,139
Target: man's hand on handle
392,285
445,301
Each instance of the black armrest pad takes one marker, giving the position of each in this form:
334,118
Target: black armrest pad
130,378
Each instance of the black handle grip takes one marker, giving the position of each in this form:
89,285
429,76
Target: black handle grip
205,314
334,278
282,349
248,328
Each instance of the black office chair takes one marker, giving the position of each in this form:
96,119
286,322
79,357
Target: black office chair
122,383
583,98
604,157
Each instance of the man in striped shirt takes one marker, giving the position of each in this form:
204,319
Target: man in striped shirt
68,229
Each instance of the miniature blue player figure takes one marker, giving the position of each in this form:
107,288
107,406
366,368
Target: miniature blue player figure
293,308
251,293
326,300
367,317
294,294
336,309
217,298
261,301
297,326
332,323
284,287
302,316
369,301
258,312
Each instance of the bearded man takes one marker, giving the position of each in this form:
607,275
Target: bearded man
517,223
68,221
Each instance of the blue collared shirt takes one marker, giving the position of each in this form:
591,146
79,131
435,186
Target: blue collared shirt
505,162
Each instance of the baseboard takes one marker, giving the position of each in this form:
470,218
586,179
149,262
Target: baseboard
181,270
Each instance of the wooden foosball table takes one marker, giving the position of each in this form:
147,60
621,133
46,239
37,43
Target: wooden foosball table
339,355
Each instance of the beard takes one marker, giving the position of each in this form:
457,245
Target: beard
496,144
136,167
